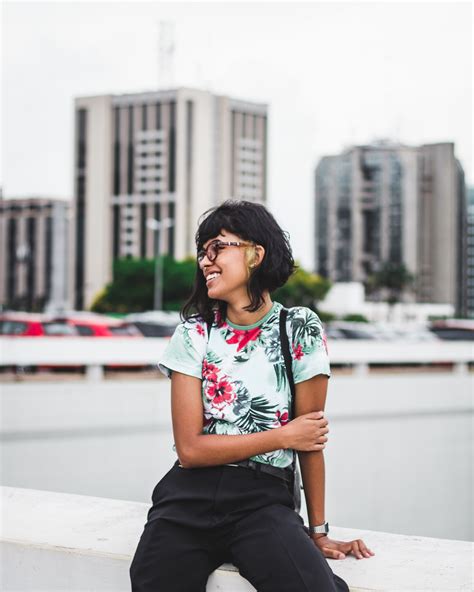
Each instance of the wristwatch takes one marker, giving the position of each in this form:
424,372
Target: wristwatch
320,529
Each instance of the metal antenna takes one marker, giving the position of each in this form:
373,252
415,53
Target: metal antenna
166,54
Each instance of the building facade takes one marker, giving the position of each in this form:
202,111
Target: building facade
166,155
469,307
387,202
34,254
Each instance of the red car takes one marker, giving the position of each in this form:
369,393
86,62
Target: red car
26,324
91,325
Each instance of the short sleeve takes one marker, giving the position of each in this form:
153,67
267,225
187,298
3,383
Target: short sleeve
186,349
307,344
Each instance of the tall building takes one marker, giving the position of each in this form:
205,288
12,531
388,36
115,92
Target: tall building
388,202
157,155
34,254
468,309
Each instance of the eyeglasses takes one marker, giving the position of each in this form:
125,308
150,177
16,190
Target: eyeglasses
215,246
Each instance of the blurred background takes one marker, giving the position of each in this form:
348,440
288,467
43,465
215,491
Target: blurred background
352,122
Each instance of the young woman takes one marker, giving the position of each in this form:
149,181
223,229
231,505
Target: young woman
229,496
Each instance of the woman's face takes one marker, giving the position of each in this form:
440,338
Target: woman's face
227,276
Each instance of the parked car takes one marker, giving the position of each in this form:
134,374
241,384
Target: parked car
95,325
155,323
25,324
454,329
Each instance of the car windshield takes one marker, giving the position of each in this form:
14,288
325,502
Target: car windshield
54,328
12,327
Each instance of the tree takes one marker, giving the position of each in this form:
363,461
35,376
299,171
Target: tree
132,288
303,289
391,278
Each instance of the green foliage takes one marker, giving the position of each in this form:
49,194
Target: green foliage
355,318
393,278
302,289
326,317
132,289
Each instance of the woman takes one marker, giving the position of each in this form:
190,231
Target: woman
229,496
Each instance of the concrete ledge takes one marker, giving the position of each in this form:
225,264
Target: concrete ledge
61,542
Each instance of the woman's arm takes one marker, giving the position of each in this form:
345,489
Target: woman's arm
310,395
196,449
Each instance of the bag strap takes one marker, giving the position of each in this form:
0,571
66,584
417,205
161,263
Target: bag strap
285,348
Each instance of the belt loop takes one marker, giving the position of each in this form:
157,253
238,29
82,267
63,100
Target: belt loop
258,468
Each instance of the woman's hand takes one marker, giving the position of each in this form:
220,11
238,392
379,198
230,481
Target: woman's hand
339,549
306,433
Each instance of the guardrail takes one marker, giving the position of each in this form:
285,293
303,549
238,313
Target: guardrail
94,353
56,541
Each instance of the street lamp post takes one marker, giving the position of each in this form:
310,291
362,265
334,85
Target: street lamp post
157,226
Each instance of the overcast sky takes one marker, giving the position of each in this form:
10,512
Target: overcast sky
333,74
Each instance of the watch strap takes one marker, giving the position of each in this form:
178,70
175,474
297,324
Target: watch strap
319,529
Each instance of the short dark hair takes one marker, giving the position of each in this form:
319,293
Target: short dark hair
254,223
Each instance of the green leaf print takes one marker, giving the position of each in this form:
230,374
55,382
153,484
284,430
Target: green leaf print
259,416
242,403
277,458
281,376
187,338
241,357
270,340
213,358
306,330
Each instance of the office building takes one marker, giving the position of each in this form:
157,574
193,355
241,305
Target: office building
386,202
166,155
468,310
34,254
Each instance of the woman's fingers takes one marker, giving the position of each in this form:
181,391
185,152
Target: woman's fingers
332,553
364,549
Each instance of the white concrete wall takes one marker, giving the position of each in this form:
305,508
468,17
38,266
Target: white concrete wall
123,350
61,542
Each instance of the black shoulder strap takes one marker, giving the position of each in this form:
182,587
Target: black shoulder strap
285,348
209,327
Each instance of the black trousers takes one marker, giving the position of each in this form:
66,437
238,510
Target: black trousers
201,518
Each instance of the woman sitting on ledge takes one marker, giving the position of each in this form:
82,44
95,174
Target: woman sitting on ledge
233,368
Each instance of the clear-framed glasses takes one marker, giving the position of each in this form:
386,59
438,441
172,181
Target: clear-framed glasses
213,248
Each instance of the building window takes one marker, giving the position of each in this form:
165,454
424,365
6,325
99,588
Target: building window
143,231
116,231
11,259
48,269
172,148
31,269
130,152
171,229
116,171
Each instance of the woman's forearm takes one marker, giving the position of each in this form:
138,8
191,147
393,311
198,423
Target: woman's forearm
313,474
215,449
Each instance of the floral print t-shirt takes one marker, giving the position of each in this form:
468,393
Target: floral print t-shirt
244,383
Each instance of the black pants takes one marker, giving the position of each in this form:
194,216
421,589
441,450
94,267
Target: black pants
204,517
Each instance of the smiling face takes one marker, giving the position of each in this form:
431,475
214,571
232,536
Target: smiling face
227,276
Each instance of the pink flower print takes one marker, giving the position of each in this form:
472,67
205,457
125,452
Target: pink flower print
282,418
220,393
200,330
325,341
209,371
298,352
242,337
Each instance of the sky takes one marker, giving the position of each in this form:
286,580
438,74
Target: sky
333,74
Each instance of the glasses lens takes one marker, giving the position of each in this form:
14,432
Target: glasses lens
210,252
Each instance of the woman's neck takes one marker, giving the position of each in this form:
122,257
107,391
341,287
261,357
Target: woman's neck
237,315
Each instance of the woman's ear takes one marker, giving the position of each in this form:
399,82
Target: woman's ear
258,255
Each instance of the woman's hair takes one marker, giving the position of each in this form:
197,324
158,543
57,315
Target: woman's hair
251,222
